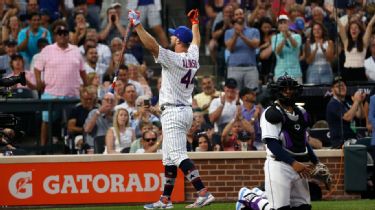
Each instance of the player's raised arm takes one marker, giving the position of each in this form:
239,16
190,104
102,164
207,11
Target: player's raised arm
194,19
148,41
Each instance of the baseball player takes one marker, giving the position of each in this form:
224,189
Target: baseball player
175,99
289,156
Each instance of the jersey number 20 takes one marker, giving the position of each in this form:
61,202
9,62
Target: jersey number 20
187,79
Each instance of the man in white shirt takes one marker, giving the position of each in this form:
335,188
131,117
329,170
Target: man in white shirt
223,108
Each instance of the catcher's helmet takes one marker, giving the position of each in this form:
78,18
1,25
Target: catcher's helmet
283,83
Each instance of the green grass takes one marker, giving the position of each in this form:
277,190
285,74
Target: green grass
319,205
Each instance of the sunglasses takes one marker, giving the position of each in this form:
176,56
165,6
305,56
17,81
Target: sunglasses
62,32
150,139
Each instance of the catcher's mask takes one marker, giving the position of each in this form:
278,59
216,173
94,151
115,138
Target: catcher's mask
279,88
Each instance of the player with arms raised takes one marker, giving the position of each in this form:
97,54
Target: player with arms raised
175,99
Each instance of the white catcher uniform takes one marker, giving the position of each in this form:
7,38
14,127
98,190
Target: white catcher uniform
283,185
175,99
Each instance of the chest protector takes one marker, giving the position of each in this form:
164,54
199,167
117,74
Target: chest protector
294,131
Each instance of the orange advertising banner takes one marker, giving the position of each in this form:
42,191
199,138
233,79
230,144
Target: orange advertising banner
84,183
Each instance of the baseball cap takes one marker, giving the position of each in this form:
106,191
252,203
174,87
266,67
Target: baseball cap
231,83
298,25
114,5
244,91
337,79
183,33
282,17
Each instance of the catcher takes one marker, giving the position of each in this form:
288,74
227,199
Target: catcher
290,159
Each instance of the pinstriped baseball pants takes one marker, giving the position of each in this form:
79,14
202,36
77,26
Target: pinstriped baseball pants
176,121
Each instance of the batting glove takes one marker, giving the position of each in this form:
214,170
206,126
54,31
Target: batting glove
193,16
134,17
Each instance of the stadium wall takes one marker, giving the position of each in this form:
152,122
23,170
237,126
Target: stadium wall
224,173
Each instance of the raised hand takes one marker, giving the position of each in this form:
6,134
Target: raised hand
134,17
193,16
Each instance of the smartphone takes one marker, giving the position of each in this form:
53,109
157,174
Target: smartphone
113,18
146,102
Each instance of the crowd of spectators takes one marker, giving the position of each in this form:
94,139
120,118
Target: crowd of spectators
73,49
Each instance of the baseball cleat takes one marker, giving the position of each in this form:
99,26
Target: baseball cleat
240,201
202,201
160,204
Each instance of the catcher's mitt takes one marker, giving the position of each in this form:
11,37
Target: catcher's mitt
321,173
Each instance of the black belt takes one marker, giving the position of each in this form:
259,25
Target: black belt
162,107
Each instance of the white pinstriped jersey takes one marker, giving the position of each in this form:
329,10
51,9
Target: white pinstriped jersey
178,71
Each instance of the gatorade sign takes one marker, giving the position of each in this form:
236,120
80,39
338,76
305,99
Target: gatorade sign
84,183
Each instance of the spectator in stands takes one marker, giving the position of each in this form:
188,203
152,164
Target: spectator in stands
190,135
10,49
216,44
91,18
135,48
355,40
328,21
286,46
92,64
130,97
112,27
266,56
230,137
18,66
203,99
99,120
10,28
212,8
8,9
350,11
119,92
319,54
77,35
370,62
150,142
120,136
259,13
123,74
144,126
340,113
251,111
151,11
104,53
144,113
79,113
62,65
223,109
29,36
117,47
201,143
135,74
242,42
45,19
